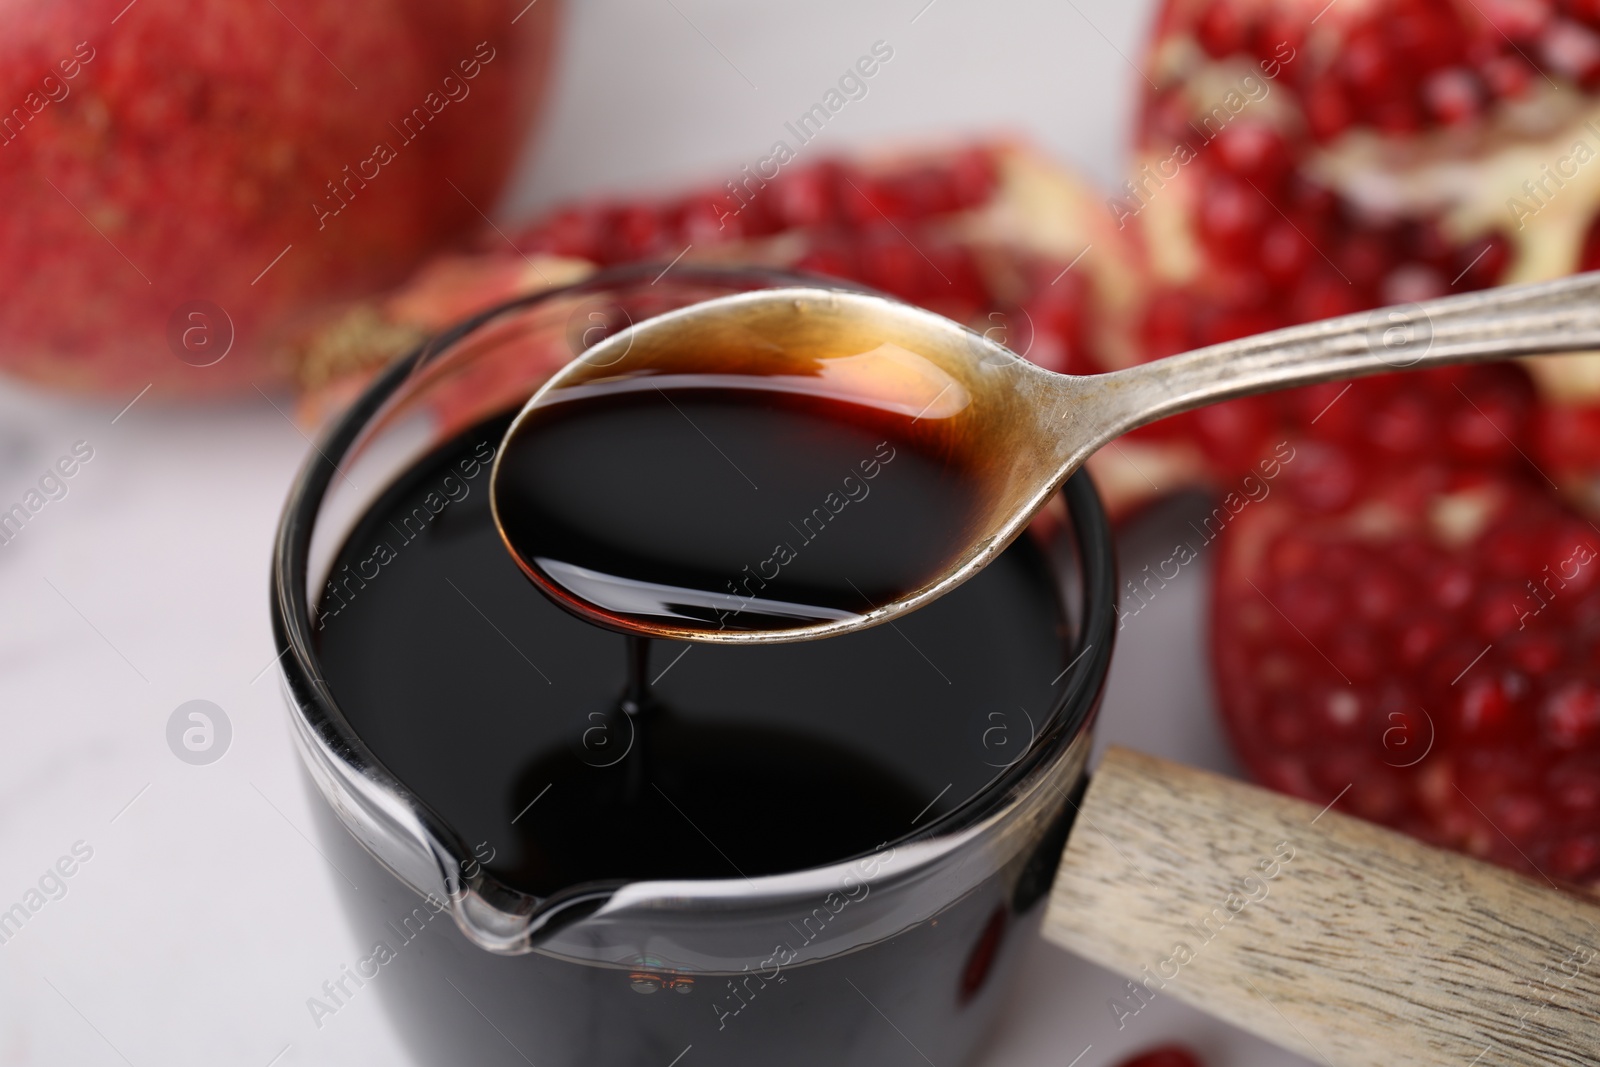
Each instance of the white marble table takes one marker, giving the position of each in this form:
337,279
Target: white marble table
205,915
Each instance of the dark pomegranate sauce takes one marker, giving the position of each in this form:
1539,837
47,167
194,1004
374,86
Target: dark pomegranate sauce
574,754
724,484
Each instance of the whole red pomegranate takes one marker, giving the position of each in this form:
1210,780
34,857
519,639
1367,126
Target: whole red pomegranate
187,182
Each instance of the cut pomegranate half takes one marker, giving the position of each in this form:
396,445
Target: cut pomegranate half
1423,658
1382,624
992,235
1302,160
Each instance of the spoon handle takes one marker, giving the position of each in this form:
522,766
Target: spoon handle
1346,942
1555,316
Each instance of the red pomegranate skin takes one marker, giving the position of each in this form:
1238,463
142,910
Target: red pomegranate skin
170,151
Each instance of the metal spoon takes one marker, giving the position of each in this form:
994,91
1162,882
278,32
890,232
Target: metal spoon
1039,425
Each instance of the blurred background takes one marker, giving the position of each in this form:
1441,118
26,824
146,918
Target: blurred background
183,311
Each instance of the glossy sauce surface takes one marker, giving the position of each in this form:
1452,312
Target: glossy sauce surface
507,714
721,482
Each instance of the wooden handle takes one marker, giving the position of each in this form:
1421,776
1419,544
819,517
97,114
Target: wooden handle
1343,941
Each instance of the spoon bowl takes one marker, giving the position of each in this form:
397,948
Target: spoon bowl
1007,432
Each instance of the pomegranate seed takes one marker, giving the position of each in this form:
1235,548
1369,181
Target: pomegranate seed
1231,218
866,201
1168,324
1363,258
1293,554
890,262
1508,77
1482,707
1518,20
1311,603
1511,550
1570,714
1255,152
1412,282
1284,253
1367,68
1535,652
1323,479
1165,1056
1454,96
1499,611
1324,295
1358,656
1403,423
1575,856
713,218
958,281
1378,594
1425,36
1573,51
1397,115
1241,288
808,197
1234,430
1228,323
1311,203
1320,405
1451,585
1327,111
1575,783
1517,814
833,259
1166,120
1419,640
1059,314
577,231
974,178
1280,34
1221,29
1288,727
634,232
1493,413
914,194
1567,433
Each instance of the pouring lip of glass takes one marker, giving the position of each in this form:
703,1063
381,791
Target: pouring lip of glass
419,847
